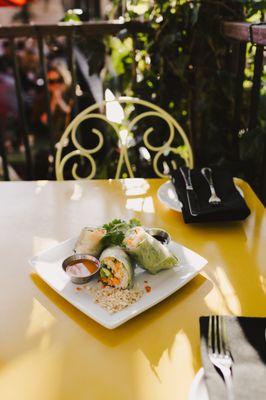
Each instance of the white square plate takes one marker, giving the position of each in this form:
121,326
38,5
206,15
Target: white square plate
48,265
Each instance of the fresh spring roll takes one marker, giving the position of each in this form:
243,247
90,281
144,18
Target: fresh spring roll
148,252
116,268
90,241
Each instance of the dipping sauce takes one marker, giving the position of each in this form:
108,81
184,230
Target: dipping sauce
160,238
81,268
159,234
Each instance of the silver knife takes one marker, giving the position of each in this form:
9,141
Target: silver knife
191,195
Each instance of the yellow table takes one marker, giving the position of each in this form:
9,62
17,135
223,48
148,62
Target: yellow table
51,351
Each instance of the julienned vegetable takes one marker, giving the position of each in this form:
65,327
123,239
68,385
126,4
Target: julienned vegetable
90,241
116,268
148,252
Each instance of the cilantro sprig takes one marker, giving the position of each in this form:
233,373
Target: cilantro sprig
116,230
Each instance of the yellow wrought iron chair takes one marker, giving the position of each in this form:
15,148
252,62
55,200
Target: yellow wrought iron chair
117,113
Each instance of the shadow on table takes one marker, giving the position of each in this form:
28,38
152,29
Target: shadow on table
152,332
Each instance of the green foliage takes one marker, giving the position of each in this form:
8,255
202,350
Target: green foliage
121,53
71,16
184,64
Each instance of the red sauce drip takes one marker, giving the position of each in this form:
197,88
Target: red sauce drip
148,289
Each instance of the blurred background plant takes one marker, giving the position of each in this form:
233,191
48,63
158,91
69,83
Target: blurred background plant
184,64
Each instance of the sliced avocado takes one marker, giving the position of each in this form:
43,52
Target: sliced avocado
105,273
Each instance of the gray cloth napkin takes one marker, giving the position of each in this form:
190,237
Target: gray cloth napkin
246,336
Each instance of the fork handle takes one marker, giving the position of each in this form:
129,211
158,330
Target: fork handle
228,382
187,177
207,173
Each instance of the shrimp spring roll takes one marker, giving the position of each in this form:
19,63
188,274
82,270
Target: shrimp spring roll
116,268
90,241
147,251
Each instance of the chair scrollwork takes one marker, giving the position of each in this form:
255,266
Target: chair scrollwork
122,129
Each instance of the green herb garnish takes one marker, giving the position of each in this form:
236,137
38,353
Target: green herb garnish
116,230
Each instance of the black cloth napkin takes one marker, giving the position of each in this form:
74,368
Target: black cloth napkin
232,208
246,337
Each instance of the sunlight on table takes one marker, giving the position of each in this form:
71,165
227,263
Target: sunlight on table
77,192
40,319
40,185
42,243
158,381
135,187
141,205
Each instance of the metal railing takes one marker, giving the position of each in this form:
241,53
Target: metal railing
41,32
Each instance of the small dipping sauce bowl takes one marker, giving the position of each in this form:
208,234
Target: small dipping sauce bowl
159,234
81,268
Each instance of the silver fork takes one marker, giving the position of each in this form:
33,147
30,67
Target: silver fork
207,173
219,353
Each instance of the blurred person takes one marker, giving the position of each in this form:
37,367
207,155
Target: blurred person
59,81
8,111
28,62
28,68
6,64
8,99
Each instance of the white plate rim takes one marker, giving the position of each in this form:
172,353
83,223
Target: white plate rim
119,321
169,185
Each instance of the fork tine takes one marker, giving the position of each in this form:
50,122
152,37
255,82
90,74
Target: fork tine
225,339
221,336
219,353
210,334
215,335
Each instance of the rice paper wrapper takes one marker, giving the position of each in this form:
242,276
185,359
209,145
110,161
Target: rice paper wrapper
90,242
120,255
152,255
